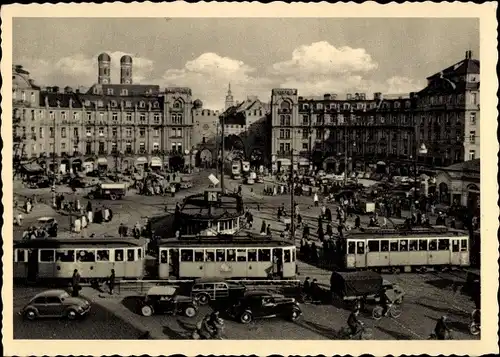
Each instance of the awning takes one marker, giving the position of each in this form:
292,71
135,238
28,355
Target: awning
32,167
284,162
102,161
141,160
303,162
381,163
156,161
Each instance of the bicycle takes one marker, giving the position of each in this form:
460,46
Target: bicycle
366,333
393,310
475,324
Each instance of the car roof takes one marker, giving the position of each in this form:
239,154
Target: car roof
162,290
257,293
53,292
45,219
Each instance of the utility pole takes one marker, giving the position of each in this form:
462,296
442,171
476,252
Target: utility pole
217,148
345,152
222,154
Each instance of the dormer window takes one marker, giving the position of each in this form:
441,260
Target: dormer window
110,91
142,104
100,103
397,105
177,104
113,103
124,91
346,106
128,104
95,90
156,105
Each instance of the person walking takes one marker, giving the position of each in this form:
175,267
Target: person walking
111,282
75,283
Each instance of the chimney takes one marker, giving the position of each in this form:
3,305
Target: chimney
468,54
377,95
77,91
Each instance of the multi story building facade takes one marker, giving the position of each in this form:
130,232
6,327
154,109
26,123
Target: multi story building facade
325,131
333,130
448,114
25,98
118,126
247,130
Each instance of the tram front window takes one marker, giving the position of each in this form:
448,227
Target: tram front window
209,255
199,255
463,246
287,257
163,257
351,248
220,255
455,247
264,255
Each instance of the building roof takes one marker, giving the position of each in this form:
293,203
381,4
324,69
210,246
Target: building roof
116,101
466,166
233,116
465,66
133,90
60,99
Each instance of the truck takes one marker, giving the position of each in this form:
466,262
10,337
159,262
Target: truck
245,167
112,191
236,169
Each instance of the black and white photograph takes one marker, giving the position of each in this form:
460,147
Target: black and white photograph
248,177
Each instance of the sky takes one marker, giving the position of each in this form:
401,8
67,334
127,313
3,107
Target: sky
315,55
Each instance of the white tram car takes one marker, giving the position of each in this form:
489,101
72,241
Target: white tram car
416,249
230,257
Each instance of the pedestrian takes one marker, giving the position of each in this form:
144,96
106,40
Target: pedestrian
75,283
268,231
111,282
357,222
316,199
263,228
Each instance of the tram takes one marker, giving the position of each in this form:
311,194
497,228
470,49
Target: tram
407,250
227,257
56,259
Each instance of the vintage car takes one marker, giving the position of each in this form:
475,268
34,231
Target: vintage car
207,290
55,303
165,300
112,191
262,304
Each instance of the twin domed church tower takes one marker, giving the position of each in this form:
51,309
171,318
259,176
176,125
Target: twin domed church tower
104,74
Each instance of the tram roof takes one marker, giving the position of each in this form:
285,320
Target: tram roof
223,241
198,207
79,243
378,233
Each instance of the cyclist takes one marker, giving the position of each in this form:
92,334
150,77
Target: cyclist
385,301
442,331
354,323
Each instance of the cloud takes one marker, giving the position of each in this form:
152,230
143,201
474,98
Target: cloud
321,59
397,84
209,75
82,70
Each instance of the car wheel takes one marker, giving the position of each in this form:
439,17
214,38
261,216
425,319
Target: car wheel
30,315
190,311
203,299
71,314
146,310
113,197
246,317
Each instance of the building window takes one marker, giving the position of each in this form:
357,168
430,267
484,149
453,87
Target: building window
156,105
115,116
472,137
142,148
156,132
114,148
176,119
128,132
472,154
128,148
100,103
179,133
142,104
305,134
473,118
142,132
156,147
179,147
282,147
178,104
89,116
284,133
63,146
88,148
142,117
76,116
129,117
285,120
114,132
287,147
305,146
124,92
75,133
473,98
101,116
156,118
63,116
41,133
101,147
204,140
110,91
101,132
63,132
52,115
51,132
88,131
305,120
128,104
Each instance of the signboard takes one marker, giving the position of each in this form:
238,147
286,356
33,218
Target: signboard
215,181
